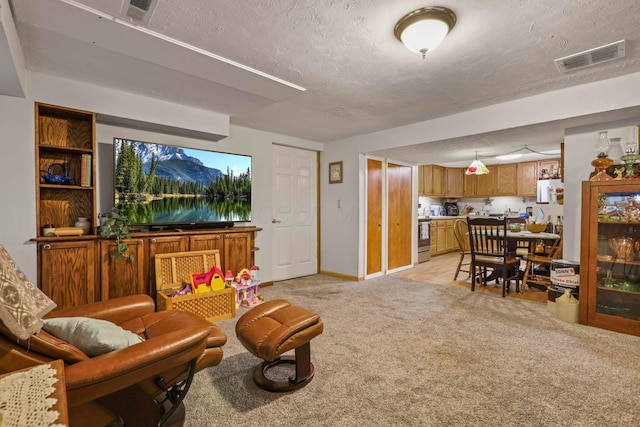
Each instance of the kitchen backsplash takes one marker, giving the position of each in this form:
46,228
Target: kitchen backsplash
497,205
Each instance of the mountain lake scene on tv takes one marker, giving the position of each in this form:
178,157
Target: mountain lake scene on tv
160,184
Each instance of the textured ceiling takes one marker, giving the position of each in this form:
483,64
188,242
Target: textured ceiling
359,77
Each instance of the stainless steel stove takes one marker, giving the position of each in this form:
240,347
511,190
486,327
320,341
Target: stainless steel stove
424,239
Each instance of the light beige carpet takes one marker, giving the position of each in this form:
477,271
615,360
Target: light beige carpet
396,352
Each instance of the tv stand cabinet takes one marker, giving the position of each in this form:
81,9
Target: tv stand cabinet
78,270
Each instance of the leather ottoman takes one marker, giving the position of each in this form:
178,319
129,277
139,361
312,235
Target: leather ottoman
273,328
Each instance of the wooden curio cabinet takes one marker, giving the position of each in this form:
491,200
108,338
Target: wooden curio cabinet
610,255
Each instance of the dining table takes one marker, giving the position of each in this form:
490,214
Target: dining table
533,239
513,237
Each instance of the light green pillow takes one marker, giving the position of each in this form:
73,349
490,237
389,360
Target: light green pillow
93,336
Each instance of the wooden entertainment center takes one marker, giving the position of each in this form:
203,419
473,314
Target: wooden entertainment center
75,270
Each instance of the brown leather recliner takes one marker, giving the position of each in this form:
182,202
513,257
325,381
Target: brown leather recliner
139,385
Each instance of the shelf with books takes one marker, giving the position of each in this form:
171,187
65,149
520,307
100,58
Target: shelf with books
65,148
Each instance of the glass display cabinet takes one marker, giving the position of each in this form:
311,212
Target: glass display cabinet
610,255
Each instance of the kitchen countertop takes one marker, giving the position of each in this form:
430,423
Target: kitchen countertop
459,216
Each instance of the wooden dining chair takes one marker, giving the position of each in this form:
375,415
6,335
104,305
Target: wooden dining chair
461,233
489,250
537,271
521,246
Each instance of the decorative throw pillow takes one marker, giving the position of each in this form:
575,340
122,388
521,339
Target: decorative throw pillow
93,336
22,304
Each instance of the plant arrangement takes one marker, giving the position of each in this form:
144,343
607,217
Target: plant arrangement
115,224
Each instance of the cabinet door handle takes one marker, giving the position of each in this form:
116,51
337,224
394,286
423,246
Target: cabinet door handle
226,236
153,240
46,247
218,237
139,241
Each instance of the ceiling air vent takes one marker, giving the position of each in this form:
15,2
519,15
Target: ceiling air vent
591,57
139,11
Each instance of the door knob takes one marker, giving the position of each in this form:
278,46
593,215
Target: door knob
275,221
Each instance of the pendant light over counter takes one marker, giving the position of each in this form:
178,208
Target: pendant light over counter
477,167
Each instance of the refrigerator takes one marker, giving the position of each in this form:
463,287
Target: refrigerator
547,191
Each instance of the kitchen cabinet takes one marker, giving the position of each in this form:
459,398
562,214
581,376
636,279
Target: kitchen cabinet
439,181
67,271
425,175
527,179
455,182
486,185
469,185
442,238
610,267
434,180
479,185
511,179
506,179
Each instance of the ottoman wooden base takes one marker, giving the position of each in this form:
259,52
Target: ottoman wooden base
304,371
273,328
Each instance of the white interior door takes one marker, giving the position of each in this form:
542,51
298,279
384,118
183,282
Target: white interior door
295,216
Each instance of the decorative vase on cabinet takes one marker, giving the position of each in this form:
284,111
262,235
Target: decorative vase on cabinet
610,255
84,223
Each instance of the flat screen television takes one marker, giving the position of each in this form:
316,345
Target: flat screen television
161,186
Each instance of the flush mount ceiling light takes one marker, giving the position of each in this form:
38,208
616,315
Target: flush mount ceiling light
476,167
424,29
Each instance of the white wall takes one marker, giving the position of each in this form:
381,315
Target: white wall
342,232
579,151
240,141
343,236
17,182
17,192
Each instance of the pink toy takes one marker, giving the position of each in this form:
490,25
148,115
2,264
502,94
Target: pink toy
186,289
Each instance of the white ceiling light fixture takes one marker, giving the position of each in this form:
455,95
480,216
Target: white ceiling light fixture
509,156
424,29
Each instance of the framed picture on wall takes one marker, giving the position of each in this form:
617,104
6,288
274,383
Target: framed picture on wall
335,173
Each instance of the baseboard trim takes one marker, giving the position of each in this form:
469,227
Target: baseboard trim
341,276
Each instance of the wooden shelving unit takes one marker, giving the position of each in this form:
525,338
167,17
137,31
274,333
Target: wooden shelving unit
63,135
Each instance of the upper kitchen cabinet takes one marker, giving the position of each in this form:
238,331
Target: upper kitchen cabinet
455,182
486,184
479,185
469,185
527,178
506,179
433,180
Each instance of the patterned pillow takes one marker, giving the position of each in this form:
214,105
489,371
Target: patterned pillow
22,305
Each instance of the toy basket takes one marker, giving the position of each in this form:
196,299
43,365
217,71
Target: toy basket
174,269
